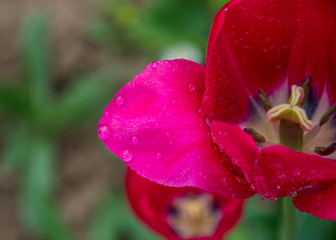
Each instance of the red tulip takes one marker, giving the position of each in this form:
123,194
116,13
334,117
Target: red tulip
254,120
182,213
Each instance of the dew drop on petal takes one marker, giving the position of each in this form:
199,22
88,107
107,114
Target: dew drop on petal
104,132
156,125
158,155
106,114
135,140
168,134
126,155
119,100
191,87
200,112
154,65
173,100
164,107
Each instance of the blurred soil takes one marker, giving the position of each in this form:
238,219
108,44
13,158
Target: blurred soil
86,171
71,50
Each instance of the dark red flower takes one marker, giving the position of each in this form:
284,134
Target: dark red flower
271,71
182,213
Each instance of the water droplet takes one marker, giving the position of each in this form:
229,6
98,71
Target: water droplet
135,140
106,114
200,112
126,155
119,100
168,134
154,65
191,87
158,155
104,132
156,125
173,100
164,107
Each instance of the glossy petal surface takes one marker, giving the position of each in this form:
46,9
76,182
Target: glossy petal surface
319,202
152,203
261,44
274,171
156,125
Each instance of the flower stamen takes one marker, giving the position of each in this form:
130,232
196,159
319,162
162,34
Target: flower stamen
265,101
259,138
305,86
195,216
325,118
325,151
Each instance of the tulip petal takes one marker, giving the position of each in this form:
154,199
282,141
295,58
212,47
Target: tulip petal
238,145
248,50
151,202
285,172
274,171
321,203
156,125
314,46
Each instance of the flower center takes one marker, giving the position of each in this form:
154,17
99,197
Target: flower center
293,119
194,216
291,124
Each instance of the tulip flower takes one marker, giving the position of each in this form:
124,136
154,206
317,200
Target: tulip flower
257,119
182,213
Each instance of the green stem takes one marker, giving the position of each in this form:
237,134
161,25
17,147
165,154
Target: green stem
289,220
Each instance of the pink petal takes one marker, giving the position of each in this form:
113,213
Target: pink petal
321,204
156,125
249,49
151,202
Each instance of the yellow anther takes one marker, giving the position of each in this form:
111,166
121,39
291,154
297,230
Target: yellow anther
292,111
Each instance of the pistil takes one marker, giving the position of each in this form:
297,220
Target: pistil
295,129
292,111
291,134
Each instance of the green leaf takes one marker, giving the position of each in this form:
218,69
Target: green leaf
13,101
35,61
82,101
40,215
16,147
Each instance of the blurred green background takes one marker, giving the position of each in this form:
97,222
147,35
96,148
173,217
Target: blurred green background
61,62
